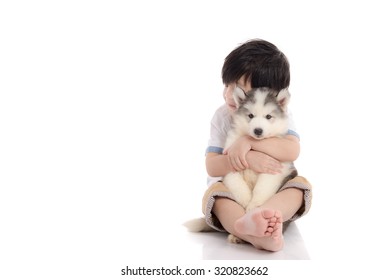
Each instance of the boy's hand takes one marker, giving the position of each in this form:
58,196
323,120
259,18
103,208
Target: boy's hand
237,153
263,163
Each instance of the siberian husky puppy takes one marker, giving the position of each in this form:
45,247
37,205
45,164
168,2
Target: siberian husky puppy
261,113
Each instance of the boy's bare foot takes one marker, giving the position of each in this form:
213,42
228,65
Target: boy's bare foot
264,226
259,222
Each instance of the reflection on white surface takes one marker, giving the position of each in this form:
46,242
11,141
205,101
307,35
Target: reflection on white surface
176,244
216,247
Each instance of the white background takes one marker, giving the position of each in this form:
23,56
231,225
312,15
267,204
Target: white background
104,120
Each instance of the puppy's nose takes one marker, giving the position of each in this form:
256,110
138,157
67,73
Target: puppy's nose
258,131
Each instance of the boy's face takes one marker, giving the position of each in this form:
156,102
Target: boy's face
228,90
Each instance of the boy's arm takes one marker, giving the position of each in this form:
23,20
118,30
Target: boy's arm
219,165
283,149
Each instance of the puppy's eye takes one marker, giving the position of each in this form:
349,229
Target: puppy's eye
268,117
250,116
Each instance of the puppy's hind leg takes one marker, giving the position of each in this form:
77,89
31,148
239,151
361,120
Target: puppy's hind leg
240,190
267,185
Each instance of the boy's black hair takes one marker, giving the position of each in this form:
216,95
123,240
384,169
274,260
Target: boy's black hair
259,61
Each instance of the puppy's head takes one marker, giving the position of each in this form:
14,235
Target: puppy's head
261,112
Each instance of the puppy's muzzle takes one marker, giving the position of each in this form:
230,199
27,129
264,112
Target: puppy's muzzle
258,131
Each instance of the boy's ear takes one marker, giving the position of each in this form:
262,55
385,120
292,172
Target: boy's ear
283,98
239,96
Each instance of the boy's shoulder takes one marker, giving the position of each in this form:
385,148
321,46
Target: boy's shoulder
222,119
222,112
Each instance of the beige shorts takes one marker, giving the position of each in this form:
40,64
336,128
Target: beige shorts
219,190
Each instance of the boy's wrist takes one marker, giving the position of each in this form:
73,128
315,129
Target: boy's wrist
249,141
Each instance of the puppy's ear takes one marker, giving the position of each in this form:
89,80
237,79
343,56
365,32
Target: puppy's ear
239,96
283,98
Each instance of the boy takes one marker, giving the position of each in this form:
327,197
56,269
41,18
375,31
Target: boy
256,63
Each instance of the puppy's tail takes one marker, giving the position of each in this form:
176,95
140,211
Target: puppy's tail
198,225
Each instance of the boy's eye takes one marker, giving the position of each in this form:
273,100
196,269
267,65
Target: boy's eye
250,116
268,117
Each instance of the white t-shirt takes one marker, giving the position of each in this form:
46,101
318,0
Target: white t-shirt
220,125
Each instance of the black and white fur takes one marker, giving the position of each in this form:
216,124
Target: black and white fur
261,113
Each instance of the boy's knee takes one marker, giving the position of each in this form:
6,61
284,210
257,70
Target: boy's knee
300,184
214,191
